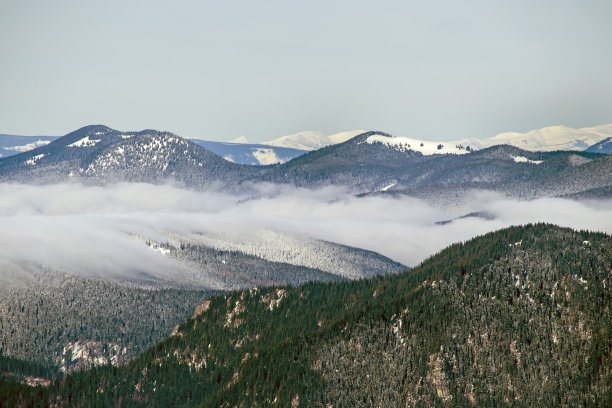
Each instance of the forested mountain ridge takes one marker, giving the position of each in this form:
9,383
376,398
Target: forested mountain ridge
518,317
367,163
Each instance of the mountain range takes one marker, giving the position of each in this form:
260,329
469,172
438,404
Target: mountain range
367,163
241,153
285,148
547,139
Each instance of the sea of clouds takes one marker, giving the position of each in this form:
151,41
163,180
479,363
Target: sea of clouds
91,230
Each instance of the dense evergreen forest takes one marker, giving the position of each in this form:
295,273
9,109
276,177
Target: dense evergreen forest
69,321
518,317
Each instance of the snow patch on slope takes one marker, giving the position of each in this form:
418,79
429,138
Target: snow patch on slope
387,187
266,156
404,144
33,160
157,248
153,151
84,142
521,159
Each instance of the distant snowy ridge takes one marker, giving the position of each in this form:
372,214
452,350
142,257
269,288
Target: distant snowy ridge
251,154
546,139
549,138
11,145
312,140
28,146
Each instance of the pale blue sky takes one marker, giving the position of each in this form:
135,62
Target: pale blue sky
218,70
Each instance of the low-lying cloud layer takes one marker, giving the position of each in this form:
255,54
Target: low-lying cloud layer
86,230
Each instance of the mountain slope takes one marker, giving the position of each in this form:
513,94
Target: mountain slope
329,259
374,161
251,154
516,317
98,154
72,322
62,311
605,147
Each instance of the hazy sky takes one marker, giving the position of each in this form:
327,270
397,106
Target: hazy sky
218,70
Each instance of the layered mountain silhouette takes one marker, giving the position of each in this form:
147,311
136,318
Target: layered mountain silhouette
367,163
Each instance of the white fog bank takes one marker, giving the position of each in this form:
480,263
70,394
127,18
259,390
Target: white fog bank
86,230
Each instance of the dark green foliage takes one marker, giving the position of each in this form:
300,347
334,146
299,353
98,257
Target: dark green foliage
518,317
19,367
13,393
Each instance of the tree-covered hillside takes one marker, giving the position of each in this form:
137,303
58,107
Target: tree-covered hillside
72,322
518,317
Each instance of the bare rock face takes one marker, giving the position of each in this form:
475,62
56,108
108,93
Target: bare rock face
201,309
437,377
85,354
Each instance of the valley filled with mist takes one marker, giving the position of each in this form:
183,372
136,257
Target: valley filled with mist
108,231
